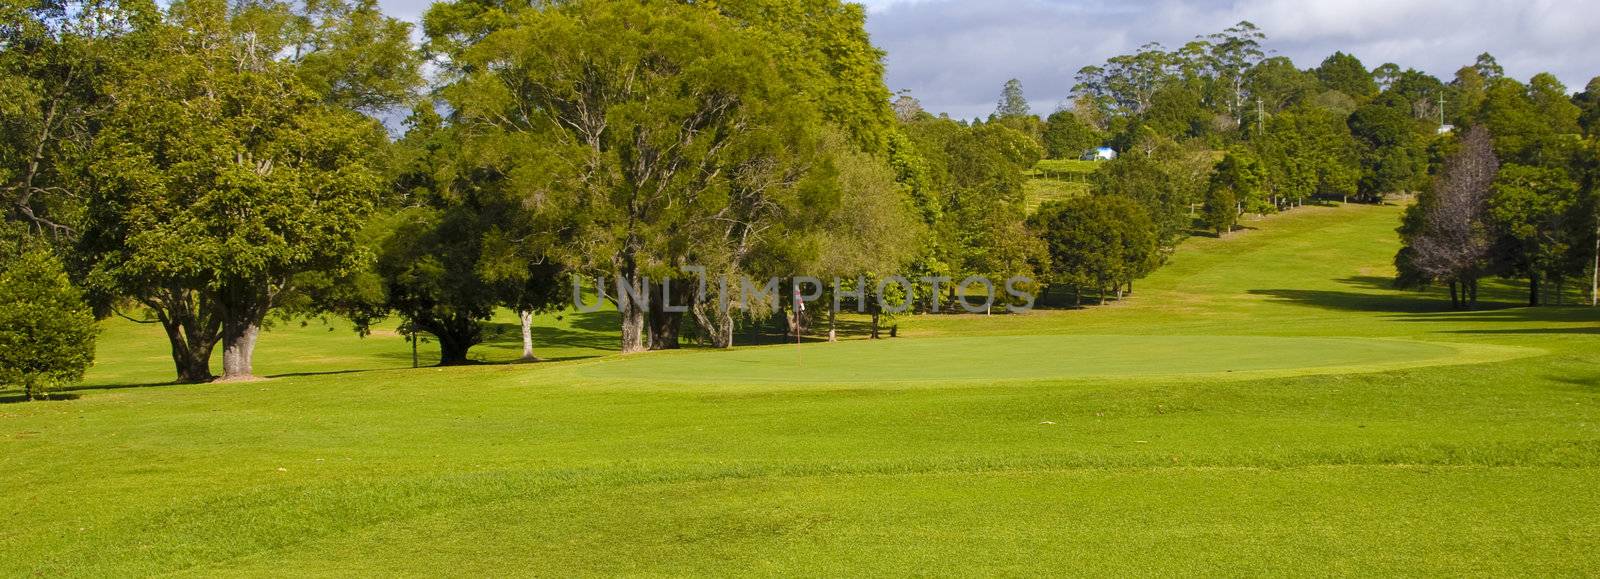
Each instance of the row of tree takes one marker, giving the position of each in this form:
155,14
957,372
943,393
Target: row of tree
211,166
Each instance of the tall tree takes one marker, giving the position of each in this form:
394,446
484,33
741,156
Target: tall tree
1012,102
664,130
1488,67
222,178
1233,53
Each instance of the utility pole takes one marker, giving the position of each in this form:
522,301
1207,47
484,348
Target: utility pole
1441,110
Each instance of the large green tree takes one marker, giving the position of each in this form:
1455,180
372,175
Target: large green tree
1096,243
665,132
1066,136
221,176
1549,221
1588,103
1306,152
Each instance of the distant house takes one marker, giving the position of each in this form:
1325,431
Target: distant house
1100,154
1446,129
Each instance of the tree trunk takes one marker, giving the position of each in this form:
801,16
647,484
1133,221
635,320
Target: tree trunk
192,358
526,317
193,327
664,324
239,347
244,306
1472,294
457,335
1455,302
452,349
716,322
875,315
832,337
664,329
1533,289
634,317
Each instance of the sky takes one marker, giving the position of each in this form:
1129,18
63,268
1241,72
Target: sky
954,55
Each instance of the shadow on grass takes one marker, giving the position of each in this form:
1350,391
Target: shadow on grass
16,396
510,335
1591,331
1377,294
320,372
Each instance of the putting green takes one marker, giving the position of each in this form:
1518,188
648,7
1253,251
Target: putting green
1002,358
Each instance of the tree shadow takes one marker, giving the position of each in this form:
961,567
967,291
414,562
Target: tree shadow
323,372
56,395
593,337
1350,301
1203,232
1591,331
1518,314
1380,296
606,320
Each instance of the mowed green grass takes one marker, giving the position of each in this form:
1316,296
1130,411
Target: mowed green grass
1041,357
1364,430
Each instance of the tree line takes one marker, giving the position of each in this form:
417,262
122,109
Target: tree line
212,166
1219,129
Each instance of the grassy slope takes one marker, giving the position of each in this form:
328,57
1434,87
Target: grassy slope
1482,469
1053,179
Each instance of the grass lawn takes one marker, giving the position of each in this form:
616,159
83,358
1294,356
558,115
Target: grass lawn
1265,404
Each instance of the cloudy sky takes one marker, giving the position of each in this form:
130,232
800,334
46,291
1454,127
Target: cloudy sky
955,54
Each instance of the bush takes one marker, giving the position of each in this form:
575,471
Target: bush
47,333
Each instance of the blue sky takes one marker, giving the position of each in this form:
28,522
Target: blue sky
955,54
